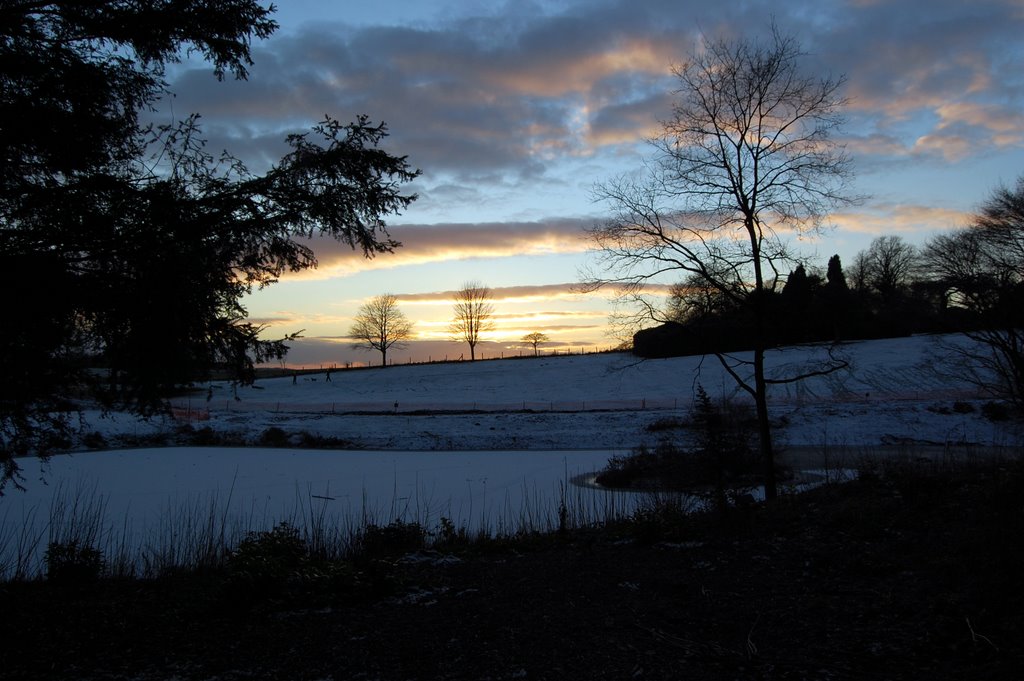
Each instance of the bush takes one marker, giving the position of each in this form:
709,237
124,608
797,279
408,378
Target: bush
72,563
263,558
663,518
95,440
201,437
963,408
394,539
996,411
309,440
278,564
723,453
274,437
449,536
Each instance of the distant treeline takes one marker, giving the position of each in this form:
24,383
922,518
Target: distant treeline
891,289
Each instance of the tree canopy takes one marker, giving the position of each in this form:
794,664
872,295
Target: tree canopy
129,247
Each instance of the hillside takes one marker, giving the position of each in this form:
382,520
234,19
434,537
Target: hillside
892,391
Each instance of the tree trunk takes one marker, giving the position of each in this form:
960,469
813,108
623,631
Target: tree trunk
764,426
764,430
383,358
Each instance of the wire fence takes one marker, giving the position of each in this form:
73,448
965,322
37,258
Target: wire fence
200,410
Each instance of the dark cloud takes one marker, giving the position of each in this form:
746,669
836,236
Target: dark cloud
497,98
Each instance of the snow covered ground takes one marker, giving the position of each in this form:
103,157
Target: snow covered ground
896,390
487,443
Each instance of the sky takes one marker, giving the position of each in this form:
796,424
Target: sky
514,112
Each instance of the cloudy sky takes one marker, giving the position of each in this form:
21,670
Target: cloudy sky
514,111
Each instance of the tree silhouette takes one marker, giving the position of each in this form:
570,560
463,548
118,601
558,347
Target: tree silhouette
747,155
535,339
982,268
151,241
472,312
380,325
834,276
889,263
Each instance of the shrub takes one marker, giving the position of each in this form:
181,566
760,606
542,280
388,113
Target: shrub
274,437
963,408
73,563
448,535
278,563
996,411
663,518
664,467
95,440
316,441
723,453
269,556
202,437
394,539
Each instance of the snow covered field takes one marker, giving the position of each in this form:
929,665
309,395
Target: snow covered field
487,443
893,391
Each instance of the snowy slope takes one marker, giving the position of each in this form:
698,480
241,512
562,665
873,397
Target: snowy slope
892,391
461,445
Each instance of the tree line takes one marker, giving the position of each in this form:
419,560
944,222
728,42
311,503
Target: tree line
970,280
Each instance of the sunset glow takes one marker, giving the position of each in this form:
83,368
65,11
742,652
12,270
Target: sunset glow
513,113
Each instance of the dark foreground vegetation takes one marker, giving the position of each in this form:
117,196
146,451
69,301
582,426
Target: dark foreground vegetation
910,572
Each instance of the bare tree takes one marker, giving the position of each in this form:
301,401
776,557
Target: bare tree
888,265
472,311
982,269
380,326
747,155
857,276
695,299
535,339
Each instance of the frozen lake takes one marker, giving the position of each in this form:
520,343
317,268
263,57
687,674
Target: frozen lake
149,494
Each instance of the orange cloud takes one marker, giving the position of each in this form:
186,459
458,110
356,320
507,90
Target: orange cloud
889,219
519,294
446,242
579,72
